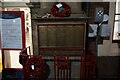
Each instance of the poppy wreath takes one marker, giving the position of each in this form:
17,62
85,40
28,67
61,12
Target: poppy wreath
41,69
63,11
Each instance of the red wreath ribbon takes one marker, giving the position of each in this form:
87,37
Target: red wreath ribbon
41,70
65,13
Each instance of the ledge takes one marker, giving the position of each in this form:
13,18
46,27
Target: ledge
61,19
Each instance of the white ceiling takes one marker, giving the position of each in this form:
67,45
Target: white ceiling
26,1
58,0
14,4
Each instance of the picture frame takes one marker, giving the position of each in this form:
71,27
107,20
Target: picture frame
12,30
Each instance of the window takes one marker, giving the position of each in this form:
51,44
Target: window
116,32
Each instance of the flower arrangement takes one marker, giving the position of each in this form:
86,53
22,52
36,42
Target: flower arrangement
40,69
61,10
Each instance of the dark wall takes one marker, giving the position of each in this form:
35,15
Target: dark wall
93,5
107,66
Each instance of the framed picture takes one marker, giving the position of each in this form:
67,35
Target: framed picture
12,29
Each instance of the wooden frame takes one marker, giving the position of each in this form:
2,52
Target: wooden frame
56,21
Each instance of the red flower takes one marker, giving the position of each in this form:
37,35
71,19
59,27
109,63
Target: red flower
41,69
66,12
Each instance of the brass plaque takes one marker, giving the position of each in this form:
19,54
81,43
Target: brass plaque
62,36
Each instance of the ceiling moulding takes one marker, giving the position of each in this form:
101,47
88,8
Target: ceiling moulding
25,1
72,0
14,4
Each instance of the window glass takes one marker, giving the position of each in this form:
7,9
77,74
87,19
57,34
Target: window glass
116,35
12,59
116,30
117,7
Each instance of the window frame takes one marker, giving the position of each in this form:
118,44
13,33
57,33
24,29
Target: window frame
116,14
